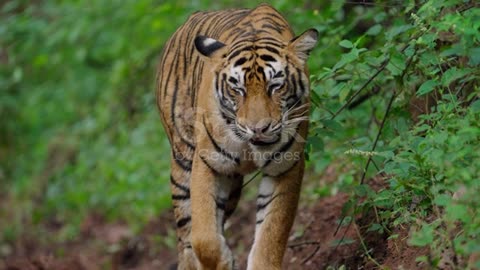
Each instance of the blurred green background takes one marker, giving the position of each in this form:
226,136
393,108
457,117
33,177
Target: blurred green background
80,132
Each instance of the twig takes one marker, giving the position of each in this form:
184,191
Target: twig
251,179
389,106
306,243
317,248
364,246
379,70
303,243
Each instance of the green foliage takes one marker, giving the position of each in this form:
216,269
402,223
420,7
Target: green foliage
80,129
411,55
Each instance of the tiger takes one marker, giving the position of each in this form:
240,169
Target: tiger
232,88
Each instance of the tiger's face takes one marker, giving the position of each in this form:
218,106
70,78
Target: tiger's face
262,87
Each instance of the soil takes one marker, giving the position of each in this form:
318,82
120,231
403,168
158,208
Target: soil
313,243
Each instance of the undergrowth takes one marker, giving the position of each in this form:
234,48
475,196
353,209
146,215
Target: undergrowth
412,83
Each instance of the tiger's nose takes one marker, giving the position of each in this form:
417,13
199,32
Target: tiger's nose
260,128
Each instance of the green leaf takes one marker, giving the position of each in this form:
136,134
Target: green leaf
453,74
397,63
442,200
315,99
316,142
332,125
346,44
336,90
347,58
397,30
426,87
362,190
342,96
375,227
456,212
423,237
475,107
474,55
374,30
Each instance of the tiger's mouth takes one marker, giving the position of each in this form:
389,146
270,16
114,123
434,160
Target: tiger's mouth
264,141
266,135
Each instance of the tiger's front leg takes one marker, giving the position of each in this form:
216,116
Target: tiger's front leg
276,207
209,195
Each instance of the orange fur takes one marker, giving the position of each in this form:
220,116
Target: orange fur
233,92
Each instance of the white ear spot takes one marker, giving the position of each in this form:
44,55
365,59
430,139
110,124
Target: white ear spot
208,41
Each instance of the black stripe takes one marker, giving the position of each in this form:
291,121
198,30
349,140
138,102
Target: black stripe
264,196
173,116
167,51
233,80
179,186
237,52
218,148
208,165
182,162
177,197
300,82
183,221
267,58
269,48
293,83
267,15
287,146
199,72
263,42
284,172
260,70
263,39
287,69
194,80
221,203
278,74
274,28
261,206
260,221
240,61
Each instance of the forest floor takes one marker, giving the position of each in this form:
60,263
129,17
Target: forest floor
312,245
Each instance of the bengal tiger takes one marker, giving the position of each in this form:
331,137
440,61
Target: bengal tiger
233,94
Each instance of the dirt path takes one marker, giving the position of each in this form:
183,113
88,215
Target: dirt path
312,245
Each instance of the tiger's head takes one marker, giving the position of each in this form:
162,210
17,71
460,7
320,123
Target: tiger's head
262,85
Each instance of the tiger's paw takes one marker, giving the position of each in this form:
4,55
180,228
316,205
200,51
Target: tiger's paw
213,253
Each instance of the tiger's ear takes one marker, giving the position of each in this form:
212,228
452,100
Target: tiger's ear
209,47
304,43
